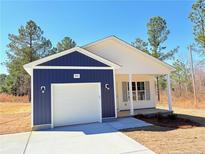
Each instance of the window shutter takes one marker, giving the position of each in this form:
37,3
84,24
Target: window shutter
124,91
147,89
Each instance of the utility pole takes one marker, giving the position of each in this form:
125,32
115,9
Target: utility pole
192,74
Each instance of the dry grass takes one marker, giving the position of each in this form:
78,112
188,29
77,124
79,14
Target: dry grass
14,108
186,111
13,99
184,101
169,140
15,117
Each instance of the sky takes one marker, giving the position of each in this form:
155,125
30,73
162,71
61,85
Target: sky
87,21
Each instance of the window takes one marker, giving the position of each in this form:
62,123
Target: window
140,91
125,91
143,90
134,95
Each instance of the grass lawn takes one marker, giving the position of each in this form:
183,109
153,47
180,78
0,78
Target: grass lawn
15,117
174,140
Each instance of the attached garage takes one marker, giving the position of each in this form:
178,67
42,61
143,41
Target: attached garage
71,87
79,85
73,104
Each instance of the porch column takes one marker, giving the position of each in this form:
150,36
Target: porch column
169,92
114,83
131,97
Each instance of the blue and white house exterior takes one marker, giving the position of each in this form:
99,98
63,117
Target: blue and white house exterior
92,83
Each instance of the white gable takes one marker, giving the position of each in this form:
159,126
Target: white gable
129,58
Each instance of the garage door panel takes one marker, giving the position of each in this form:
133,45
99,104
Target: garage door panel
76,104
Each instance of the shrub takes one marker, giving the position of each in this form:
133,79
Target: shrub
172,116
140,116
13,99
159,116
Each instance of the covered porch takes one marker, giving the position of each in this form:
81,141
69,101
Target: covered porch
136,94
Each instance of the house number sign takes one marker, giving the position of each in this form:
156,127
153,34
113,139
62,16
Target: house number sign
76,76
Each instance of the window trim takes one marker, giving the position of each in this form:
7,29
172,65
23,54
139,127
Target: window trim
144,90
136,91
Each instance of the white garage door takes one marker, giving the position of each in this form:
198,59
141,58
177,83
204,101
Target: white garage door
76,103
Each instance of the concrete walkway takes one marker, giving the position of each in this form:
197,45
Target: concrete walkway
95,138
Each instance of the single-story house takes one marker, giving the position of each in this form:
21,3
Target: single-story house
93,82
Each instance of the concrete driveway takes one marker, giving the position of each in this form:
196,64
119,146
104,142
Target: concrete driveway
95,138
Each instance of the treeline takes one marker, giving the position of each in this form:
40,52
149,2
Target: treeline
157,34
182,85
30,44
182,79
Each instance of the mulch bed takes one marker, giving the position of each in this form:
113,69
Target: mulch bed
171,121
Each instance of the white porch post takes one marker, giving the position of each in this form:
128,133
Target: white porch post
131,97
114,83
169,92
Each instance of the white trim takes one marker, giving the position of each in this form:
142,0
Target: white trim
31,90
114,85
107,119
145,91
28,67
155,91
52,105
40,127
99,85
130,46
136,90
131,96
169,92
73,67
97,41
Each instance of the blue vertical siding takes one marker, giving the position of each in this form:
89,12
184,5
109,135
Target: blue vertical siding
44,77
74,59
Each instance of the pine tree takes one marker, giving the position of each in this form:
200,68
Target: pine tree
65,44
28,45
197,17
157,32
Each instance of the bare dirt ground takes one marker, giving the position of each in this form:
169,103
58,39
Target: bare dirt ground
14,117
164,140
174,140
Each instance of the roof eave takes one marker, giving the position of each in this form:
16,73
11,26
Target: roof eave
171,68
29,67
